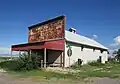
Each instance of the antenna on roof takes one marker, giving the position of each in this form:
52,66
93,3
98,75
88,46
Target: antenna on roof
73,30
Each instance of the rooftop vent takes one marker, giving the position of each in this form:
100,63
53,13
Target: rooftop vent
73,30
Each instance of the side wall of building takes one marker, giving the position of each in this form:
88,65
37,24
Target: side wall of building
86,54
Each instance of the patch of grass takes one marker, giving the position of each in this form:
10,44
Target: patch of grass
110,70
4,58
9,65
76,66
95,69
95,63
42,74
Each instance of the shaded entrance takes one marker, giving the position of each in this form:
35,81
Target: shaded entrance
54,58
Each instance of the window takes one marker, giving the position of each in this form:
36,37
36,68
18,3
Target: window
93,49
101,51
82,48
99,59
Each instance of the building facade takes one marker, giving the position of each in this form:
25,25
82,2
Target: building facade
50,40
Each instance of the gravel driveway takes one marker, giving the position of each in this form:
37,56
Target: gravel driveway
106,81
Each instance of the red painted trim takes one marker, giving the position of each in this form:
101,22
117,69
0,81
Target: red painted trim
53,45
57,45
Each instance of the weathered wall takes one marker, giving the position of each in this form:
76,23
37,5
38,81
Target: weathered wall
87,54
48,31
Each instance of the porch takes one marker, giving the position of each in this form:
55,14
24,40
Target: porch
52,52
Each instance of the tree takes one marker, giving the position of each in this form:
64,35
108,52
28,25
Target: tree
114,53
28,62
118,55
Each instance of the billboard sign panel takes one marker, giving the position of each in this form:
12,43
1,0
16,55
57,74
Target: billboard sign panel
52,29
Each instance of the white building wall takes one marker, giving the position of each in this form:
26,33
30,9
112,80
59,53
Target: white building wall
104,56
87,54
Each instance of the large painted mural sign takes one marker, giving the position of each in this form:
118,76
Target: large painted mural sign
52,29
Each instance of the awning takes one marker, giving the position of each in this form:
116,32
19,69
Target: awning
53,45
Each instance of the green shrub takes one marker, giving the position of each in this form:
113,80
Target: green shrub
95,63
113,60
24,62
75,66
28,62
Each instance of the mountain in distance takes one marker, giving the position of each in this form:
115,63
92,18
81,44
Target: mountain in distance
8,55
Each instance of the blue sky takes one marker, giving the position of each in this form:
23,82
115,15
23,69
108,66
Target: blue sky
89,17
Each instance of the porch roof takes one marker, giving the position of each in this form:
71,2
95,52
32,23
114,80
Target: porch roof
53,45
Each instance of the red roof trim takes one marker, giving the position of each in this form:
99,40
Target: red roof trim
53,45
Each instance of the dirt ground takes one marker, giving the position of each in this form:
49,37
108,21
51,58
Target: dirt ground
8,79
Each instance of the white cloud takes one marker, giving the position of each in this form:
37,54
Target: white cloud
117,40
116,45
94,36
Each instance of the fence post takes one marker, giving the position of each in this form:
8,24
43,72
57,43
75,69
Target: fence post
41,63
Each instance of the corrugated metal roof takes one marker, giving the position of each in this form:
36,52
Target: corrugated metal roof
76,38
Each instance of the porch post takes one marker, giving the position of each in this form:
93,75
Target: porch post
30,55
19,53
61,61
64,59
44,57
11,54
